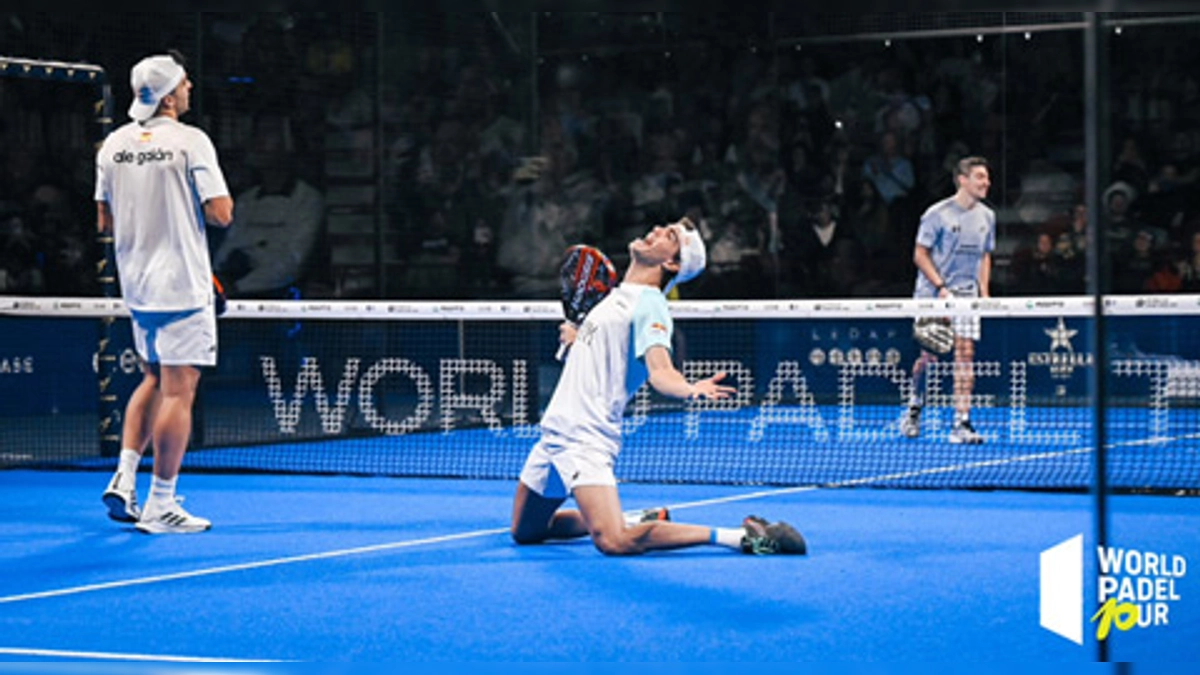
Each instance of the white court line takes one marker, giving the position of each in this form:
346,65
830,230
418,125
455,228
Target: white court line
926,472
117,656
879,479
247,566
483,533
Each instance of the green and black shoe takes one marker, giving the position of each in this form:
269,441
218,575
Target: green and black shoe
763,538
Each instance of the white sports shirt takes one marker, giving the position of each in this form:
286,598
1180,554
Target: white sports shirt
156,177
957,239
606,367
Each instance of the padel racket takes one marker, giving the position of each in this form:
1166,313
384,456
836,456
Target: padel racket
219,300
586,277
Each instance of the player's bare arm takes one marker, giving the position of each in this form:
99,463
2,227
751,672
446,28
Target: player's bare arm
104,219
924,262
985,275
668,381
219,211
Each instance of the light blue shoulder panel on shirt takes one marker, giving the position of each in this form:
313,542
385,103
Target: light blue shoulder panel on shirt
652,323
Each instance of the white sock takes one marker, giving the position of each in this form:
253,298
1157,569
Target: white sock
727,536
162,490
127,467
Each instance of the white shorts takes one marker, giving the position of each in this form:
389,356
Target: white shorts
186,338
554,471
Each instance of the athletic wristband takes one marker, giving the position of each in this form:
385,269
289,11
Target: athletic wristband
940,287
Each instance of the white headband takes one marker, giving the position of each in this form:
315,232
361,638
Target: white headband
692,256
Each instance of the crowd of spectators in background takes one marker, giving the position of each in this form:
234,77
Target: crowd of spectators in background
806,169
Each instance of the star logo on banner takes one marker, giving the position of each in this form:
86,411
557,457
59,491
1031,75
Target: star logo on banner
1060,336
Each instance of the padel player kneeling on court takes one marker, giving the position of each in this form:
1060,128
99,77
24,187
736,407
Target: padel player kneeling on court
624,342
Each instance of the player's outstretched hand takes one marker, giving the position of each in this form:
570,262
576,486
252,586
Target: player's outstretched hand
709,388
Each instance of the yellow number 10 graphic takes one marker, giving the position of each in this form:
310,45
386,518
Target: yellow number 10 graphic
1125,615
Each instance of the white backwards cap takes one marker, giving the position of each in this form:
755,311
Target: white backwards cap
152,78
692,255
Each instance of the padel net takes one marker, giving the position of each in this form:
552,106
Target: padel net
455,389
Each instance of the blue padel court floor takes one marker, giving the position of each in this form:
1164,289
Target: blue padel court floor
337,568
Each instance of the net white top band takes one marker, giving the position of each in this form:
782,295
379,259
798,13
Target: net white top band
681,310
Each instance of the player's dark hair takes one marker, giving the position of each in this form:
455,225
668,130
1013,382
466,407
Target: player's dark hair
964,166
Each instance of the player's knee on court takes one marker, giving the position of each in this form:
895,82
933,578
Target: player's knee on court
614,543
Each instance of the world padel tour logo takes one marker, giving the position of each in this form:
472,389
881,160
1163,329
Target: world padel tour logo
1134,589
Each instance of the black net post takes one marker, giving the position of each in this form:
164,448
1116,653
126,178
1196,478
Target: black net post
107,362
1095,124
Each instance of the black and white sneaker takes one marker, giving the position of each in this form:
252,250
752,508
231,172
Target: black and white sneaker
170,519
910,424
963,432
763,538
122,504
